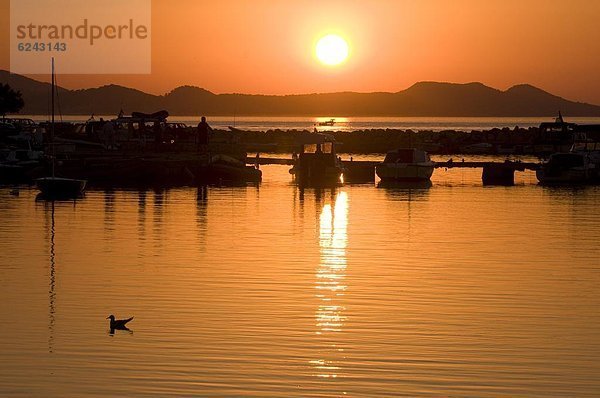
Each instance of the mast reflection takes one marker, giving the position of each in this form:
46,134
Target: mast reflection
330,283
52,284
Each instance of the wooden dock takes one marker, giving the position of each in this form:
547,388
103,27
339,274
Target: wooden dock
264,161
493,173
515,166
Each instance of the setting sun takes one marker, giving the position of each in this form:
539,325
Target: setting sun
332,50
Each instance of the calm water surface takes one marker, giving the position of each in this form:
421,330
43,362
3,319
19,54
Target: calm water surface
454,290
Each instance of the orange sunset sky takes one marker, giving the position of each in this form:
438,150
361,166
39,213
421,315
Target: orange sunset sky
267,46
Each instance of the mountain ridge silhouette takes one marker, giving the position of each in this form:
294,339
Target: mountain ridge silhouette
422,99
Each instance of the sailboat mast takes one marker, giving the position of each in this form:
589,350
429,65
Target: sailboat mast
52,120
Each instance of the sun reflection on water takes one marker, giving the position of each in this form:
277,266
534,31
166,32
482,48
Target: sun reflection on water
330,282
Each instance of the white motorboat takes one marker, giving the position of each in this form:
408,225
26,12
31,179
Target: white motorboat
405,165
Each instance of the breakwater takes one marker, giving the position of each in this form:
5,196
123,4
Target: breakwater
530,141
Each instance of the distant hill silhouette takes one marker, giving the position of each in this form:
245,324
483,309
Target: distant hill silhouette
422,99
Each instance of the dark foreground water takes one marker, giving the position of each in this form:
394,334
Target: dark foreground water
454,290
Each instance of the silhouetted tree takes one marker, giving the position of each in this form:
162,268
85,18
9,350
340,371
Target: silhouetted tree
11,101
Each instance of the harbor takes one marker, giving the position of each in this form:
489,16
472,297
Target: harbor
147,150
363,171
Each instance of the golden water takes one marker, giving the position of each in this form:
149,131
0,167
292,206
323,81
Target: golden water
454,290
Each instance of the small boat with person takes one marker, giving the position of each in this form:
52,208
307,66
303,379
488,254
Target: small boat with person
405,165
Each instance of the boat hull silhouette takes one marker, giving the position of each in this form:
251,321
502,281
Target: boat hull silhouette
405,165
56,187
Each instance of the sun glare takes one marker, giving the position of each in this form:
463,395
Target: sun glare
332,50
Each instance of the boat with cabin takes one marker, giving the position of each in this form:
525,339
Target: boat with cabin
405,165
581,165
330,122
318,163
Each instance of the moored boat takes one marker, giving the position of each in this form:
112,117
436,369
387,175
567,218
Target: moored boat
16,164
224,168
318,163
330,122
54,187
405,165
58,188
581,165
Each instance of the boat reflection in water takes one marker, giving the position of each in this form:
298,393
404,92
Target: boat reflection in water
406,191
331,285
391,185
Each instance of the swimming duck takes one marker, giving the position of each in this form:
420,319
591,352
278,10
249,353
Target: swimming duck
118,323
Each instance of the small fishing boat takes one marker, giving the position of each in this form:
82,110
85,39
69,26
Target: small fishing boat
224,168
57,187
405,165
581,165
329,122
318,164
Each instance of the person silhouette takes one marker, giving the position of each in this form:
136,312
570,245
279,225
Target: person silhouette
203,130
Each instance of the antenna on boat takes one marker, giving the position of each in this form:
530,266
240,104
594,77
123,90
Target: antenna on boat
58,99
234,109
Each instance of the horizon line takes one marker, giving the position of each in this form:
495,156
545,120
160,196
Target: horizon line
164,94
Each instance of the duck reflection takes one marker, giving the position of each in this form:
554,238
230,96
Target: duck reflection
112,331
330,282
